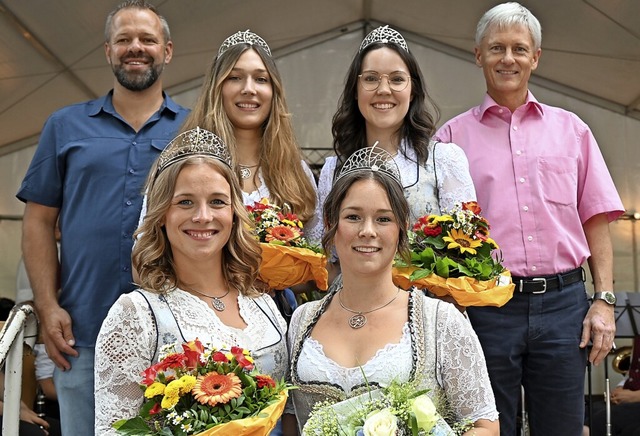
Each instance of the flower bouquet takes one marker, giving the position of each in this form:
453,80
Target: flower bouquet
287,258
452,254
206,391
395,410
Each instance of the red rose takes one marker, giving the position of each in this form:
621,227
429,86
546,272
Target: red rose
219,356
432,231
175,360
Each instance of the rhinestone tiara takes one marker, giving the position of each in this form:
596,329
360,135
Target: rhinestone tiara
194,142
385,35
371,159
246,37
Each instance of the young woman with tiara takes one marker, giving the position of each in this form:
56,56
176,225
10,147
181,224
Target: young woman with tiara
197,262
385,101
243,101
367,333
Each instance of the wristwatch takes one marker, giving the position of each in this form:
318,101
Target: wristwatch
606,296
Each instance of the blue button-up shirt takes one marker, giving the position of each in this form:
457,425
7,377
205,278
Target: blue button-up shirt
92,166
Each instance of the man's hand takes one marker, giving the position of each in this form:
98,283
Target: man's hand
600,326
57,336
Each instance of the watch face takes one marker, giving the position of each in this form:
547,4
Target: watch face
609,297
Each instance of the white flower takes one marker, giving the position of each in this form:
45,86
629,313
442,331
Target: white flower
425,411
380,423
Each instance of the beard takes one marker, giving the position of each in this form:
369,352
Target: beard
137,81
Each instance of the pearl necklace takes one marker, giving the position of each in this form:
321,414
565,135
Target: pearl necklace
359,320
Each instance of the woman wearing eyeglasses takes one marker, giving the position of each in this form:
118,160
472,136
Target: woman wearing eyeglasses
385,101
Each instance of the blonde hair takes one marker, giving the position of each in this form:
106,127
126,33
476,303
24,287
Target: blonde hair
280,156
152,256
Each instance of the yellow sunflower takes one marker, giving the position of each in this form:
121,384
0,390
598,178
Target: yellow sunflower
440,218
214,388
457,239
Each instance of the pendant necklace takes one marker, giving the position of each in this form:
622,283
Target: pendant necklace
245,170
359,320
216,302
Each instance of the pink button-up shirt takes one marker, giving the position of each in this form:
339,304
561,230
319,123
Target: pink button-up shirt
539,176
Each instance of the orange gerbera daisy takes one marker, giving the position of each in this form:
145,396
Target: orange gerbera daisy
282,233
457,239
214,388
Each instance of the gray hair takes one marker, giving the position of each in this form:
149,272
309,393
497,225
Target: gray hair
507,15
136,4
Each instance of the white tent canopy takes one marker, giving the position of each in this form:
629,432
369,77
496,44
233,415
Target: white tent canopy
52,55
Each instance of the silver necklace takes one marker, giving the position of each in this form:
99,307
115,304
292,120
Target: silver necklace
216,302
245,170
359,320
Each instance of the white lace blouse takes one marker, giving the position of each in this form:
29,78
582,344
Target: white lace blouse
438,349
132,334
313,364
429,189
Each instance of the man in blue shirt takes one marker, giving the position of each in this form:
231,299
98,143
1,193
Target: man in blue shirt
89,170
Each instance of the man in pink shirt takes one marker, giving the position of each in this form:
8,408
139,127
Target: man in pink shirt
544,186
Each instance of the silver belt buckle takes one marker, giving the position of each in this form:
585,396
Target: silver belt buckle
544,287
535,279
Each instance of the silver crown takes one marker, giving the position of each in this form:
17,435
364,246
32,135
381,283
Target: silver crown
371,159
384,35
246,37
194,142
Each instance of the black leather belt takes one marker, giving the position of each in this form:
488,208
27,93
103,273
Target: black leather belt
540,285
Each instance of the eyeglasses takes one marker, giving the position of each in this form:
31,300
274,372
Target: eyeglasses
397,81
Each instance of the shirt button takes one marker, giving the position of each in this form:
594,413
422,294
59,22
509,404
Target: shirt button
533,268
125,268
128,203
500,111
521,179
519,152
529,238
515,127
131,171
526,209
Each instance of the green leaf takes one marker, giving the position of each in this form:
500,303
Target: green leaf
435,241
420,274
132,427
147,406
442,267
427,256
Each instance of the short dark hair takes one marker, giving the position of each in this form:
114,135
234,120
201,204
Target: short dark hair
136,4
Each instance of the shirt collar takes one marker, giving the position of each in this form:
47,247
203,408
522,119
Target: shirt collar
530,102
105,103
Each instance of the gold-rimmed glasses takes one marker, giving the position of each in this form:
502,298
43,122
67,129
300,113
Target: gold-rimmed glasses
398,80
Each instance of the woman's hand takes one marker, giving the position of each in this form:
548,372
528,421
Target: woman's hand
621,395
